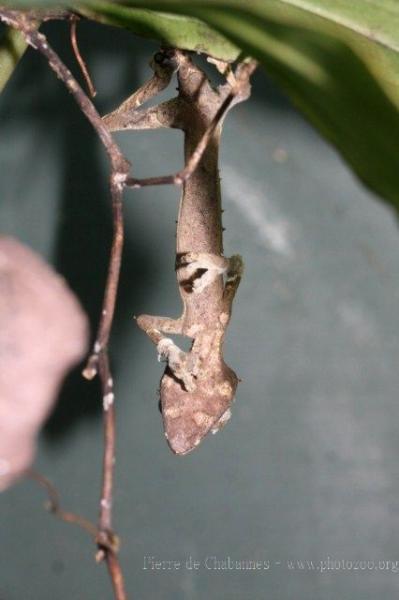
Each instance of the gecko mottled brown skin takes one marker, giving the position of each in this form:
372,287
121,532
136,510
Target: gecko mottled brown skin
197,387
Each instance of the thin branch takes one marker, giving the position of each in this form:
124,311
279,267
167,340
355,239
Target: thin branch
105,538
109,435
79,57
54,505
120,168
21,21
105,518
111,287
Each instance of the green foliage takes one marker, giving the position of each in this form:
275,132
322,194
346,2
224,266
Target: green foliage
337,60
174,30
12,47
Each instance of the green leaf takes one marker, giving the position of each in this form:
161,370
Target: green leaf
174,30
337,60
12,48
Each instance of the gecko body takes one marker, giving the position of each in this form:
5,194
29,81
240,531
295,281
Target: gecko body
197,387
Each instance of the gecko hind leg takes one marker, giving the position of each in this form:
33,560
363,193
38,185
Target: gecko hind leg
154,326
233,278
211,266
208,266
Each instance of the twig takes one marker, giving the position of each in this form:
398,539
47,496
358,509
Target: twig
105,538
109,434
54,505
107,541
79,58
22,22
111,288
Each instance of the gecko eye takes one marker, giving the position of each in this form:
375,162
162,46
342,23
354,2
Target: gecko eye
159,57
166,58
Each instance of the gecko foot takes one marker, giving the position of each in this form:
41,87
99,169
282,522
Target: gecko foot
178,362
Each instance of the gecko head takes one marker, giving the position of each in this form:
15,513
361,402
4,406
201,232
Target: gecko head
189,416
181,444
166,60
184,436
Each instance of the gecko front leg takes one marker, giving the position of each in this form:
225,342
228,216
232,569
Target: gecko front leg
180,363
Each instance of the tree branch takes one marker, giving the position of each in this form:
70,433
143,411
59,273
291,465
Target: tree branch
106,538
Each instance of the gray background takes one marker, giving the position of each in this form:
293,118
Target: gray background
307,468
